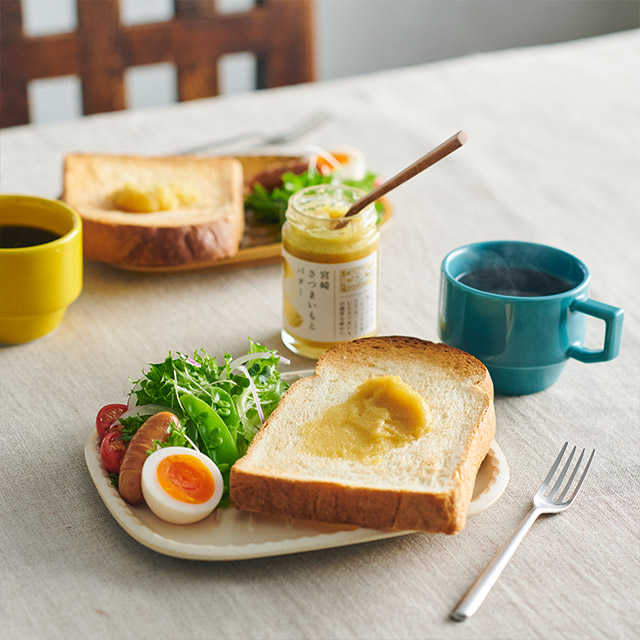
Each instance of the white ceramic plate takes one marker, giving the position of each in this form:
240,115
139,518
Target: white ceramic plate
228,534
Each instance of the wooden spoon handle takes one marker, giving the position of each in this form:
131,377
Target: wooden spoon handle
453,143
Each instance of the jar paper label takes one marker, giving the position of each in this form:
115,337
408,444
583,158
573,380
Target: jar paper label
330,302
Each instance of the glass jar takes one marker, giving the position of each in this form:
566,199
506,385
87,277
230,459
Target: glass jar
330,279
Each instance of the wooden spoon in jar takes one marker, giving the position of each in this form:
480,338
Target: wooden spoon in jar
441,151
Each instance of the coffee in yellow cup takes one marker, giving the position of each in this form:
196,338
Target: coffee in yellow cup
40,265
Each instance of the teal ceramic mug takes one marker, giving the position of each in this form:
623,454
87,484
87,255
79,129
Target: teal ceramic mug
521,309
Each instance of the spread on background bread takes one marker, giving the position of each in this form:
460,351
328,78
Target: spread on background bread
155,197
422,480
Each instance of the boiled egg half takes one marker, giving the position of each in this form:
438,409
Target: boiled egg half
181,485
346,163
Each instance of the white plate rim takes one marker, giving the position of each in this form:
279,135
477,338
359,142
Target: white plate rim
126,516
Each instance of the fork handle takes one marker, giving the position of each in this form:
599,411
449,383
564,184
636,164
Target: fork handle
479,590
221,142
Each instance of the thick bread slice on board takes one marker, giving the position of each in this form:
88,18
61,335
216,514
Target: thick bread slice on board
424,485
208,229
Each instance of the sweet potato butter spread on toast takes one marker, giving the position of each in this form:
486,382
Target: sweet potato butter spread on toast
383,413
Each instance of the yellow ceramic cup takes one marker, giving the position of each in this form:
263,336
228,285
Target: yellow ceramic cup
38,282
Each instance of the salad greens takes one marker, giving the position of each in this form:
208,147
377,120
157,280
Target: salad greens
220,406
271,206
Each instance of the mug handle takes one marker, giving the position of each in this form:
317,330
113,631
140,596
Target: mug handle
613,317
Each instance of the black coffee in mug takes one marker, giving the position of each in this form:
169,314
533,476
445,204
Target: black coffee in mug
19,236
515,281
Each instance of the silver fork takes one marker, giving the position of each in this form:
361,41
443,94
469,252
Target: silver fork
289,134
553,501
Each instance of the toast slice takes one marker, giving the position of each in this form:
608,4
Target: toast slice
423,485
268,170
206,225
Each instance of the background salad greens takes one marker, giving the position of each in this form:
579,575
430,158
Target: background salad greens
271,206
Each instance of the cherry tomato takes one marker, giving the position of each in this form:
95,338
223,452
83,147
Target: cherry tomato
112,451
107,416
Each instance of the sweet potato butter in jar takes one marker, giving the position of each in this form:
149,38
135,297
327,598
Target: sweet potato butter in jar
330,280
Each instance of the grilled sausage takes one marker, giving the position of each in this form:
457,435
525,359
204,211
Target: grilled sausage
130,480
271,176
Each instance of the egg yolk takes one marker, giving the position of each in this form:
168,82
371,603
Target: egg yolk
186,479
324,165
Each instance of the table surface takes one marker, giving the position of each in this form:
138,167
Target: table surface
552,157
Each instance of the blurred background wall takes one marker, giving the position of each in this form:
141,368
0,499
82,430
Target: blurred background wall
356,36
352,37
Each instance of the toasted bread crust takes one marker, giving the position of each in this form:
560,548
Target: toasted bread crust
210,231
337,503
143,246
258,488
368,349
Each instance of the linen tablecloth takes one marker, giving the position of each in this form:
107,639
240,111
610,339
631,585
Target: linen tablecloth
552,157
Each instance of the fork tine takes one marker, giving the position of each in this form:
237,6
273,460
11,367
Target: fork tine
558,484
573,475
583,476
547,480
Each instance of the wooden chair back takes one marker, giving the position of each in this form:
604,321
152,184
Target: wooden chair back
98,52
